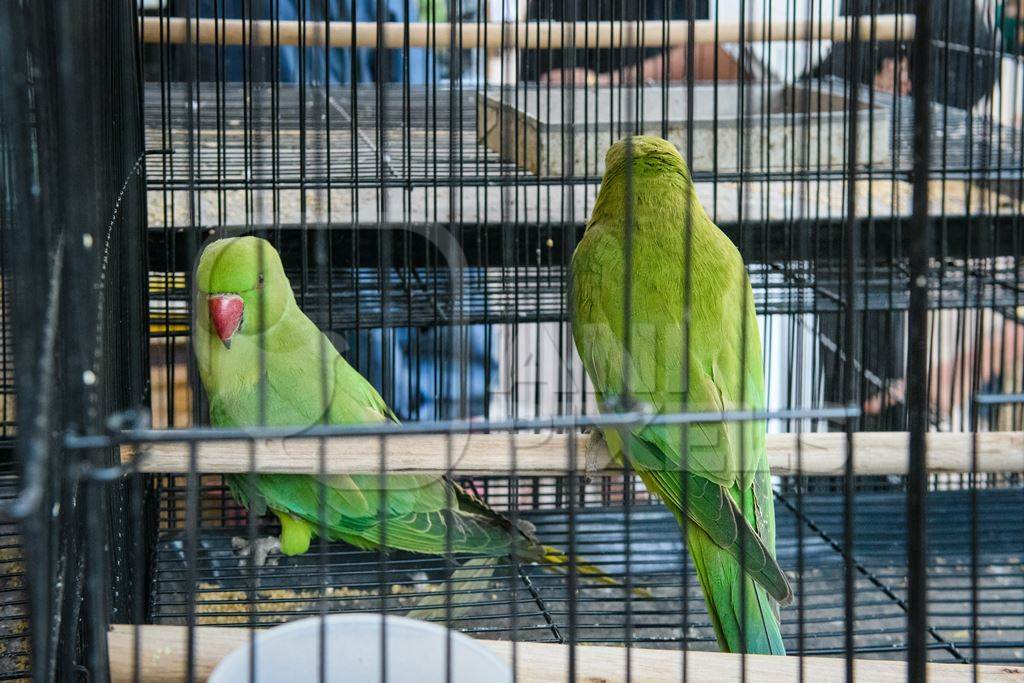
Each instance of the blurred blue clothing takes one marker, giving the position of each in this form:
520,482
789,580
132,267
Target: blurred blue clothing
229,61
427,370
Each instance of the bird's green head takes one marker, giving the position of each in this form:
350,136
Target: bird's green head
241,287
648,153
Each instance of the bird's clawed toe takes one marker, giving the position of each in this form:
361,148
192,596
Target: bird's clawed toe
259,550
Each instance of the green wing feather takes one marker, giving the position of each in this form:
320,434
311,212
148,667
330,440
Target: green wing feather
423,513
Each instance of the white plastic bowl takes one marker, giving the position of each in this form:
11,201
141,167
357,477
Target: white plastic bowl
415,653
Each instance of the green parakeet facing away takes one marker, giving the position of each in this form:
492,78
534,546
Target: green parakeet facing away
245,308
728,509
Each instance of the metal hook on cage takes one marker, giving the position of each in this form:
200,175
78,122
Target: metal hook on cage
128,420
31,495
122,422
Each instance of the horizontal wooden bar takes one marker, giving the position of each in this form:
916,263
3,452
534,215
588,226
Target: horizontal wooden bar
524,34
162,659
812,453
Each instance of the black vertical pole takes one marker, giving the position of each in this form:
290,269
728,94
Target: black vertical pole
919,242
851,242
34,249
71,116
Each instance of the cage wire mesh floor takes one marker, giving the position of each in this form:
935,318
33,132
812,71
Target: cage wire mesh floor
14,634
531,603
248,169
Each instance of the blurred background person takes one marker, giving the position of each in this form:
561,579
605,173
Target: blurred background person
963,73
342,65
963,63
614,65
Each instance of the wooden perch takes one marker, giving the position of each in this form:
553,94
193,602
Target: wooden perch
820,453
162,658
525,34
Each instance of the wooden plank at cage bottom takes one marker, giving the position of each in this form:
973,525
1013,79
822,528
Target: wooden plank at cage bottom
815,454
162,657
523,34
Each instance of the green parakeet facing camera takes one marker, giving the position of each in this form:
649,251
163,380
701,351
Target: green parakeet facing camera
712,475
245,309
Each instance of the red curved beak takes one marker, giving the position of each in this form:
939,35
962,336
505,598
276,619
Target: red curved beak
226,315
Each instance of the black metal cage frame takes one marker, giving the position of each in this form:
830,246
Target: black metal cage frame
127,139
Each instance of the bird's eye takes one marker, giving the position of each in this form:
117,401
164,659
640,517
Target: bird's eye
259,279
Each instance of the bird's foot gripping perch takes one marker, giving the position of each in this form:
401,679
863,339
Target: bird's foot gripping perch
596,453
259,550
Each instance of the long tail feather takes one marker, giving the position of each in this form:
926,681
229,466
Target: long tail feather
468,584
763,618
744,618
472,579
556,560
528,547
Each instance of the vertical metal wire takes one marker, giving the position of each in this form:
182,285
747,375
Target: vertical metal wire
568,237
626,399
139,522
744,109
508,225
803,227
36,261
191,555
322,152
457,328
384,268
979,337
919,243
262,400
851,245
193,116
687,284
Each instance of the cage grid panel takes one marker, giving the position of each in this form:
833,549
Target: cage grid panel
426,220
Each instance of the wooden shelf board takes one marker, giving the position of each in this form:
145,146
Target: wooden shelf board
162,658
523,34
819,453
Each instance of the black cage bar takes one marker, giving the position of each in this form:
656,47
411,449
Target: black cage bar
427,172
